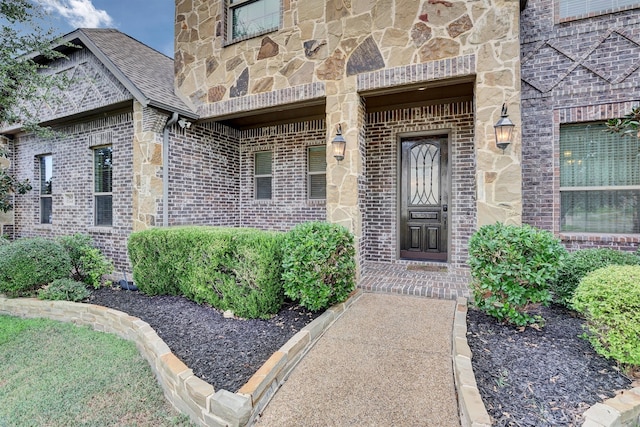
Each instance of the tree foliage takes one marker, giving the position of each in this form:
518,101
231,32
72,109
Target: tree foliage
627,126
23,84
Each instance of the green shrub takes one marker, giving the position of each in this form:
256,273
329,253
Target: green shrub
28,264
578,264
609,298
235,269
319,264
89,265
511,268
4,240
64,290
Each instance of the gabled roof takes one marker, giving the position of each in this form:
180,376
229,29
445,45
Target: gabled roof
145,72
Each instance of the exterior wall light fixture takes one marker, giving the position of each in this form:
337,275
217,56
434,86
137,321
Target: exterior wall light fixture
504,129
339,144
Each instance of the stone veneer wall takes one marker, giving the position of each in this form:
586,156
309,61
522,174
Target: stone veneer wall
72,204
289,204
576,71
381,205
322,49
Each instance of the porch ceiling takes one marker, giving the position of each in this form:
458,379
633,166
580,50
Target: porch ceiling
283,114
415,95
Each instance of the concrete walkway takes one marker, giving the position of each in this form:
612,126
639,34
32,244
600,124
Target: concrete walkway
386,362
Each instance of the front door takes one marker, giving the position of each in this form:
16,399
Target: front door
424,198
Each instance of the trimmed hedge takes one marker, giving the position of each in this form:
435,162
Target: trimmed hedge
28,264
512,267
319,264
609,298
579,263
235,269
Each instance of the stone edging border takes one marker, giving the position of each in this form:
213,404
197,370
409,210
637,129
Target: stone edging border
470,405
622,410
185,391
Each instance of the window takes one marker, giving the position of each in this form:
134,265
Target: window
46,178
262,174
102,189
247,18
571,8
317,172
599,180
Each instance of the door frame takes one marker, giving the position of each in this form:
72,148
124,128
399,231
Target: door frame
424,133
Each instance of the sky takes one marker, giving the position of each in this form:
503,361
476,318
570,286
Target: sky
148,21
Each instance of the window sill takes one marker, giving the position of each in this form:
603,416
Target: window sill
316,202
43,227
100,230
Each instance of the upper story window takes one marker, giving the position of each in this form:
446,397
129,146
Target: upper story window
248,18
263,174
317,172
46,188
582,8
103,178
599,180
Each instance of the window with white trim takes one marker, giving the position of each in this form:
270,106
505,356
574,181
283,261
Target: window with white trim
103,178
263,175
317,172
248,18
570,8
599,180
46,188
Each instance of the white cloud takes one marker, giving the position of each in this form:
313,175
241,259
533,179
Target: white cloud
79,13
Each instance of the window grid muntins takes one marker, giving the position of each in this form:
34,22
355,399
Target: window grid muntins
599,180
263,175
103,178
46,188
250,18
425,173
317,172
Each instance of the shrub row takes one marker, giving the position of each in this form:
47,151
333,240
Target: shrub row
27,265
516,268
246,270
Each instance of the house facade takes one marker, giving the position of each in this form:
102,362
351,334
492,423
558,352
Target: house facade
239,129
580,65
414,87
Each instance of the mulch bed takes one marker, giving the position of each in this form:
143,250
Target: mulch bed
545,377
224,352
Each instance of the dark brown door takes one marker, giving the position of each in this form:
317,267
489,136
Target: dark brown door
424,198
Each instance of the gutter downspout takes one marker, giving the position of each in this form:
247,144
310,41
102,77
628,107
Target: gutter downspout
165,168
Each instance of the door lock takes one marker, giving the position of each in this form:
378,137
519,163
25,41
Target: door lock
445,208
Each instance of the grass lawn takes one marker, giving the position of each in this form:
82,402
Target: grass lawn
59,374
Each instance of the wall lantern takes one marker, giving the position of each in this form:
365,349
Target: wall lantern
339,144
504,129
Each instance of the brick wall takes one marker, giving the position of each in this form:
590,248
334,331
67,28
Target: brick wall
289,204
576,71
380,206
204,176
72,194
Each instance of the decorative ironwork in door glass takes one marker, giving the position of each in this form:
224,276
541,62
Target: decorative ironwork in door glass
425,174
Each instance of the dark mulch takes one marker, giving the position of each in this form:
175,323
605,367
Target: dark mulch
546,377
223,352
